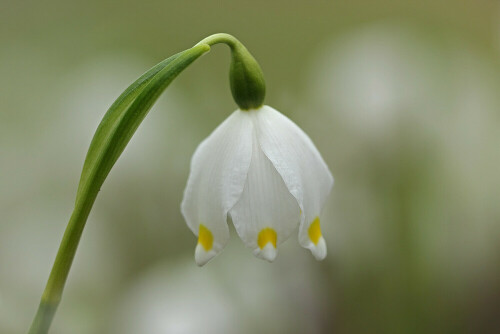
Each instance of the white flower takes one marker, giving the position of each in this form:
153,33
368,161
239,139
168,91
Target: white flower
261,169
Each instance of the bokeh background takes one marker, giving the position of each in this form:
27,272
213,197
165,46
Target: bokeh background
402,99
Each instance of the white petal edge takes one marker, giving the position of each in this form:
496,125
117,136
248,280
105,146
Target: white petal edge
202,256
302,168
319,250
266,213
267,253
217,176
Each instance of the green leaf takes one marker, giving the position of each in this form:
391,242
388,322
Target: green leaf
117,109
113,134
125,115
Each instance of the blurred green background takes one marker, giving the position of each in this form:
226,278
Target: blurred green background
402,99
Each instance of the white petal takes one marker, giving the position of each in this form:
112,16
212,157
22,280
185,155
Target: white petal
266,214
218,172
302,168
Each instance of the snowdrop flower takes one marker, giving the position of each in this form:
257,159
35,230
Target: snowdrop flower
261,169
257,167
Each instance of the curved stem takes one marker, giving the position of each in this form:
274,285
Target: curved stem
245,75
230,40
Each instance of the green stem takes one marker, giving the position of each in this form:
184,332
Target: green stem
224,38
57,279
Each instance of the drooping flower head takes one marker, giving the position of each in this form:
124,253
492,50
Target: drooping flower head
257,167
262,170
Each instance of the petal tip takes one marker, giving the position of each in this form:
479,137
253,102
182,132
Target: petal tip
201,256
319,249
267,253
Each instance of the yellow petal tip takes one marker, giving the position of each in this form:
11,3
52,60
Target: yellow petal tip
267,235
314,231
205,238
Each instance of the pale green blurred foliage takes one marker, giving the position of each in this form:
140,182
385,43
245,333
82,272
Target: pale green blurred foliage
401,99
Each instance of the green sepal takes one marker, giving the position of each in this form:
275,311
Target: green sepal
246,79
